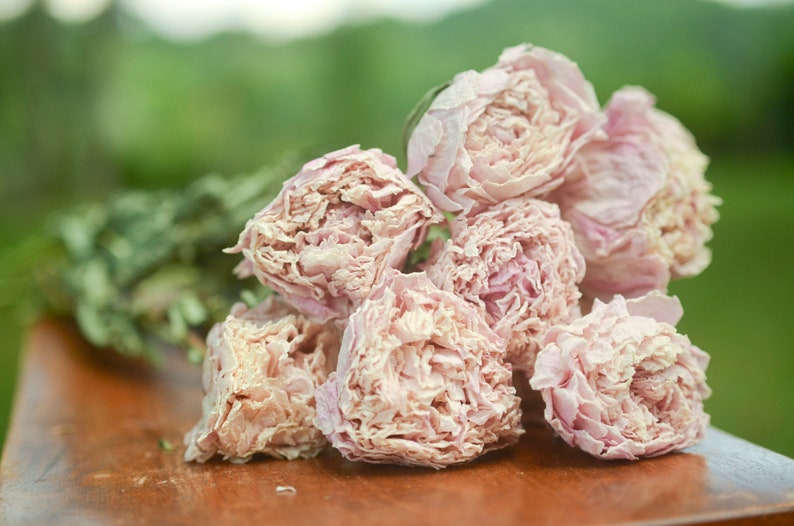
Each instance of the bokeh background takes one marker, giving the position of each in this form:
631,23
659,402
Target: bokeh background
96,96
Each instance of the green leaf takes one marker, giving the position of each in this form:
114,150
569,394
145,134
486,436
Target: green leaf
195,355
93,279
78,231
93,326
177,324
192,309
419,111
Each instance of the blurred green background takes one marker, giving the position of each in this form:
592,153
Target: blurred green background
88,108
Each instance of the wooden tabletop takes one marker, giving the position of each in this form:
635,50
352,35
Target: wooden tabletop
88,444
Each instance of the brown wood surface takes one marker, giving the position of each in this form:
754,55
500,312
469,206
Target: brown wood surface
84,448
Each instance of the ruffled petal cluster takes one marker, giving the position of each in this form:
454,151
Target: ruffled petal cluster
334,229
552,203
638,201
621,382
259,375
518,262
507,131
420,380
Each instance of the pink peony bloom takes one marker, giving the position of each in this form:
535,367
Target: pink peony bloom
638,201
420,380
510,130
259,375
621,383
333,230
517,261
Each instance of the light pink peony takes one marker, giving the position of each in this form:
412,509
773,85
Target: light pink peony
621,383
638,202
259,375
420,380
510,130
517,261
333,230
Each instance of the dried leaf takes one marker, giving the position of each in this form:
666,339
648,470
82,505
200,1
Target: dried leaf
143,269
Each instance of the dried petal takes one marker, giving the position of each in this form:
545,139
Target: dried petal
620,384
638,201
510,130
420,380
259,376
516,261
334,229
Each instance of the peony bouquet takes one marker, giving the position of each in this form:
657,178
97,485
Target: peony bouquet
561,224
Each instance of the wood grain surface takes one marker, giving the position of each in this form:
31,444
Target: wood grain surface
88,430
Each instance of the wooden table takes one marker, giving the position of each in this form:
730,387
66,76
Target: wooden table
86,447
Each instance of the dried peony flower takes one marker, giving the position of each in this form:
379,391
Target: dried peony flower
638,201
517,261
510,130
333,230
420,380
259,375
621,383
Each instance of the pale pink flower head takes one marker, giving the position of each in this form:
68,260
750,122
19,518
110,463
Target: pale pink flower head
621,383
420,380
518,262
638,201
510,130
259,375
334,229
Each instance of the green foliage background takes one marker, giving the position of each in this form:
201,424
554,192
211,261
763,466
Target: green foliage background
88,109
